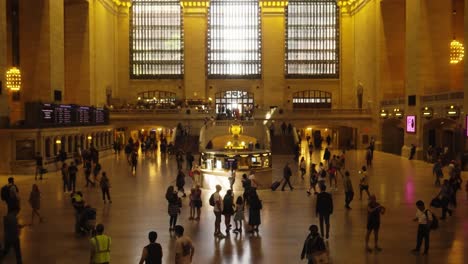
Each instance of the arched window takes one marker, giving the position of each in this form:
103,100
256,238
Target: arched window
234,39
235,101
156,39
312,39
312,99
157,99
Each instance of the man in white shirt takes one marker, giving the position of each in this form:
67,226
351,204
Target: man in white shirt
424,219
218,209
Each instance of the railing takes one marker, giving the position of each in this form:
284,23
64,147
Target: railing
442,97
391,102
334,111
225,123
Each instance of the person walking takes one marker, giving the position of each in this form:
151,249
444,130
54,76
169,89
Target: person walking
228,209
217,202
444,195
10,195
100,247
326,156
180,182
363,182
87,172
184,249
97,168
72,171
105,186
247,185
173,207
134,161
152,253
39,166
437,172
313,179
348,189
424,219
197,202
302,167
369,156
11,233
65,177
313,244
239,214
35,202
254,211
374,210
287,173
324,209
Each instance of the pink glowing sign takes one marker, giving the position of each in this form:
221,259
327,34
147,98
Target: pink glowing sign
411,124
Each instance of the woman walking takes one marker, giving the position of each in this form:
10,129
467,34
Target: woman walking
228,209
65,178
313,179
174,204
35,202
302,167
105,186
239,214
254,211
180,182
374,210
196,202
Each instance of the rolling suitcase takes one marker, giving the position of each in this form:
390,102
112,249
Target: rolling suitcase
275,185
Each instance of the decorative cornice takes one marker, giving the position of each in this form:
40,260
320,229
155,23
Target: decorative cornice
271,3
351,7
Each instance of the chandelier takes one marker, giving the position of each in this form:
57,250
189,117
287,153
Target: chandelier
457,52
123,3
13,79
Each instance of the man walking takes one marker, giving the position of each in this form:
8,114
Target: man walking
287,173
324,209
152,253
11,230
218,209
424,219
39,166
72,171
100,247
184,249
348,189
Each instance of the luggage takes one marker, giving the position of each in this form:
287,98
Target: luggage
275,185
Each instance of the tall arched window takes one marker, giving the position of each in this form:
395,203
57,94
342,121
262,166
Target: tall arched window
312,99
312,39
234,39
156,39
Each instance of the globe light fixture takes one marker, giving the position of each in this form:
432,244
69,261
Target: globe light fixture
13,79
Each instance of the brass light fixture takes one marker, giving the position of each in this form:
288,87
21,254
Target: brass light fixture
383,113
453,112
398,113
13,79
457,50
427,112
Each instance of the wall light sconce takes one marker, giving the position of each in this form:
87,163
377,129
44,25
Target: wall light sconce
398,113
58,141
427,112
383,113
453,112
90,137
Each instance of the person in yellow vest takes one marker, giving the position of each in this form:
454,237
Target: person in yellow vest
100,247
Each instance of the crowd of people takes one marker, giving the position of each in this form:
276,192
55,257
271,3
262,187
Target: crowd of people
323,177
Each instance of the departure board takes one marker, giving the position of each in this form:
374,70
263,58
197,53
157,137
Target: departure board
63,114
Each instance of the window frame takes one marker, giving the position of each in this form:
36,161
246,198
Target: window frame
312,99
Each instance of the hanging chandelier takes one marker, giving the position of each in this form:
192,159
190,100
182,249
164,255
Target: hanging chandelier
457,52
13,79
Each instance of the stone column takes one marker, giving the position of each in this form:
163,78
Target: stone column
3,64
195,48
273,55
41,49
465,74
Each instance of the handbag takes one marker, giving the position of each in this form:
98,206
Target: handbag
321,257
436,203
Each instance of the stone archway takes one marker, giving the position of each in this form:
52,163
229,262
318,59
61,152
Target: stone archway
441,133
393,136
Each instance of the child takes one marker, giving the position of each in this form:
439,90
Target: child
192,204
239,214
35,202
363,183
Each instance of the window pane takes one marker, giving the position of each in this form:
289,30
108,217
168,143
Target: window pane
156,43
234,41
312,41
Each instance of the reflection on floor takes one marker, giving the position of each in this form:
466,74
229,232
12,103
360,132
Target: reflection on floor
139,206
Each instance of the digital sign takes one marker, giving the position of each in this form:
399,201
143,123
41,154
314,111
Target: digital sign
60,115
411,124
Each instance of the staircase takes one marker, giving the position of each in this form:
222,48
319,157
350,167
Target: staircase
282,145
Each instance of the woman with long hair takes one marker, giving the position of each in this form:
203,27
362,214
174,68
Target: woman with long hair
35,202
173,208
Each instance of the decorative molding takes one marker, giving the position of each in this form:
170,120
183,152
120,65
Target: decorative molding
107,4
271,3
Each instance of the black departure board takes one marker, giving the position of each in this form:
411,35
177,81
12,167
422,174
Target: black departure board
61,115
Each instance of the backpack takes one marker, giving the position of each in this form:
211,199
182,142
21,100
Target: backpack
5,193
212,200
434,224
186,249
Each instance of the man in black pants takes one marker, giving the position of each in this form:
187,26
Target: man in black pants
424,219
39,164
12,228
72,171
287,175
324,209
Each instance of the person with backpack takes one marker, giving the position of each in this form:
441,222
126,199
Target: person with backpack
217,202
10,195
374,210
152,253
72,171
426,221
313,245
184,249
105,186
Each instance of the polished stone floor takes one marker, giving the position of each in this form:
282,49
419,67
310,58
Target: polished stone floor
139,206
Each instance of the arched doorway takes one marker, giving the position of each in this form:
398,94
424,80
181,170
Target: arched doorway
234,101
445,136
393,136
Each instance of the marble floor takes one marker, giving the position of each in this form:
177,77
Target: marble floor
139,206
